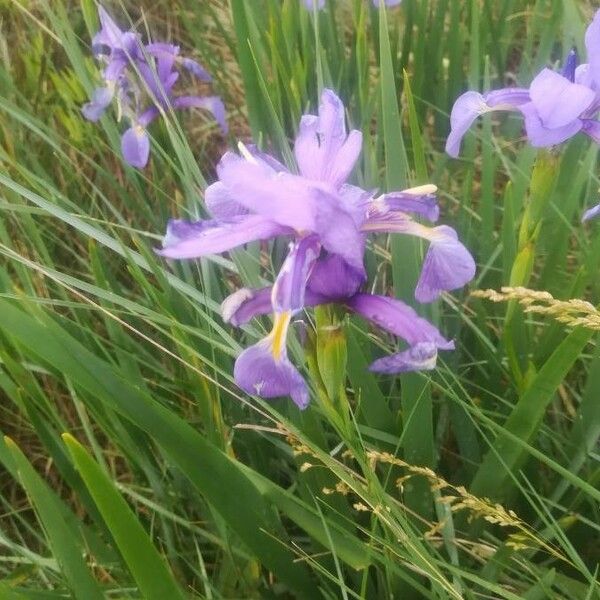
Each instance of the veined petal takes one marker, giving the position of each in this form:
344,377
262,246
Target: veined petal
220,204
337,230
333,278
557,101
471,105
448,265
265,370
421,200
135,146
421,357
466,109
540,136
179,230
290,285
281,197
213,104
221,237
245,304
398,318
323,150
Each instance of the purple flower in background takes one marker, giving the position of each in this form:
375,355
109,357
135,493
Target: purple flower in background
555,107
327,220
141,79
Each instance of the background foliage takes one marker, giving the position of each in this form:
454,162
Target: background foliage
133,467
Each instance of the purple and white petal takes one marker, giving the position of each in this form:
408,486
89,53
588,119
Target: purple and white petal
398,318
220,203
290,284
213,104
265,370
557,101
466,109
101,98
471,105
420,200
310,4
135,146
323,149
591,213
284,198
540,136
221,237
448,265
179,230
196,69
245,304
422,357
337,229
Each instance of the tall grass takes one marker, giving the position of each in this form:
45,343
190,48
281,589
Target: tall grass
133,465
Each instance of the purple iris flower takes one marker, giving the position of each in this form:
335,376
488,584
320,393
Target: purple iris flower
141,78
555,107
327,220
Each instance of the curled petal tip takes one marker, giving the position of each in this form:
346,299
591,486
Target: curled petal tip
591,213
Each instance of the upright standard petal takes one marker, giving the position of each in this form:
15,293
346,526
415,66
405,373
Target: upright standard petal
323,150
135,146
265,370
557,101
220,237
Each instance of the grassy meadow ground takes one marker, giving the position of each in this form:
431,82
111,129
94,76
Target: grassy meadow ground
133,467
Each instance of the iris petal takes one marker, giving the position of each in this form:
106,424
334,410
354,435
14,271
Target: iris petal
135,146
221,237
557,101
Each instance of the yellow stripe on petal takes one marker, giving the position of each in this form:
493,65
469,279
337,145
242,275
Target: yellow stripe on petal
279,333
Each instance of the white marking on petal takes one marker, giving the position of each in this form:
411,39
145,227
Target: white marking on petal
421,190
232,303
246,153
